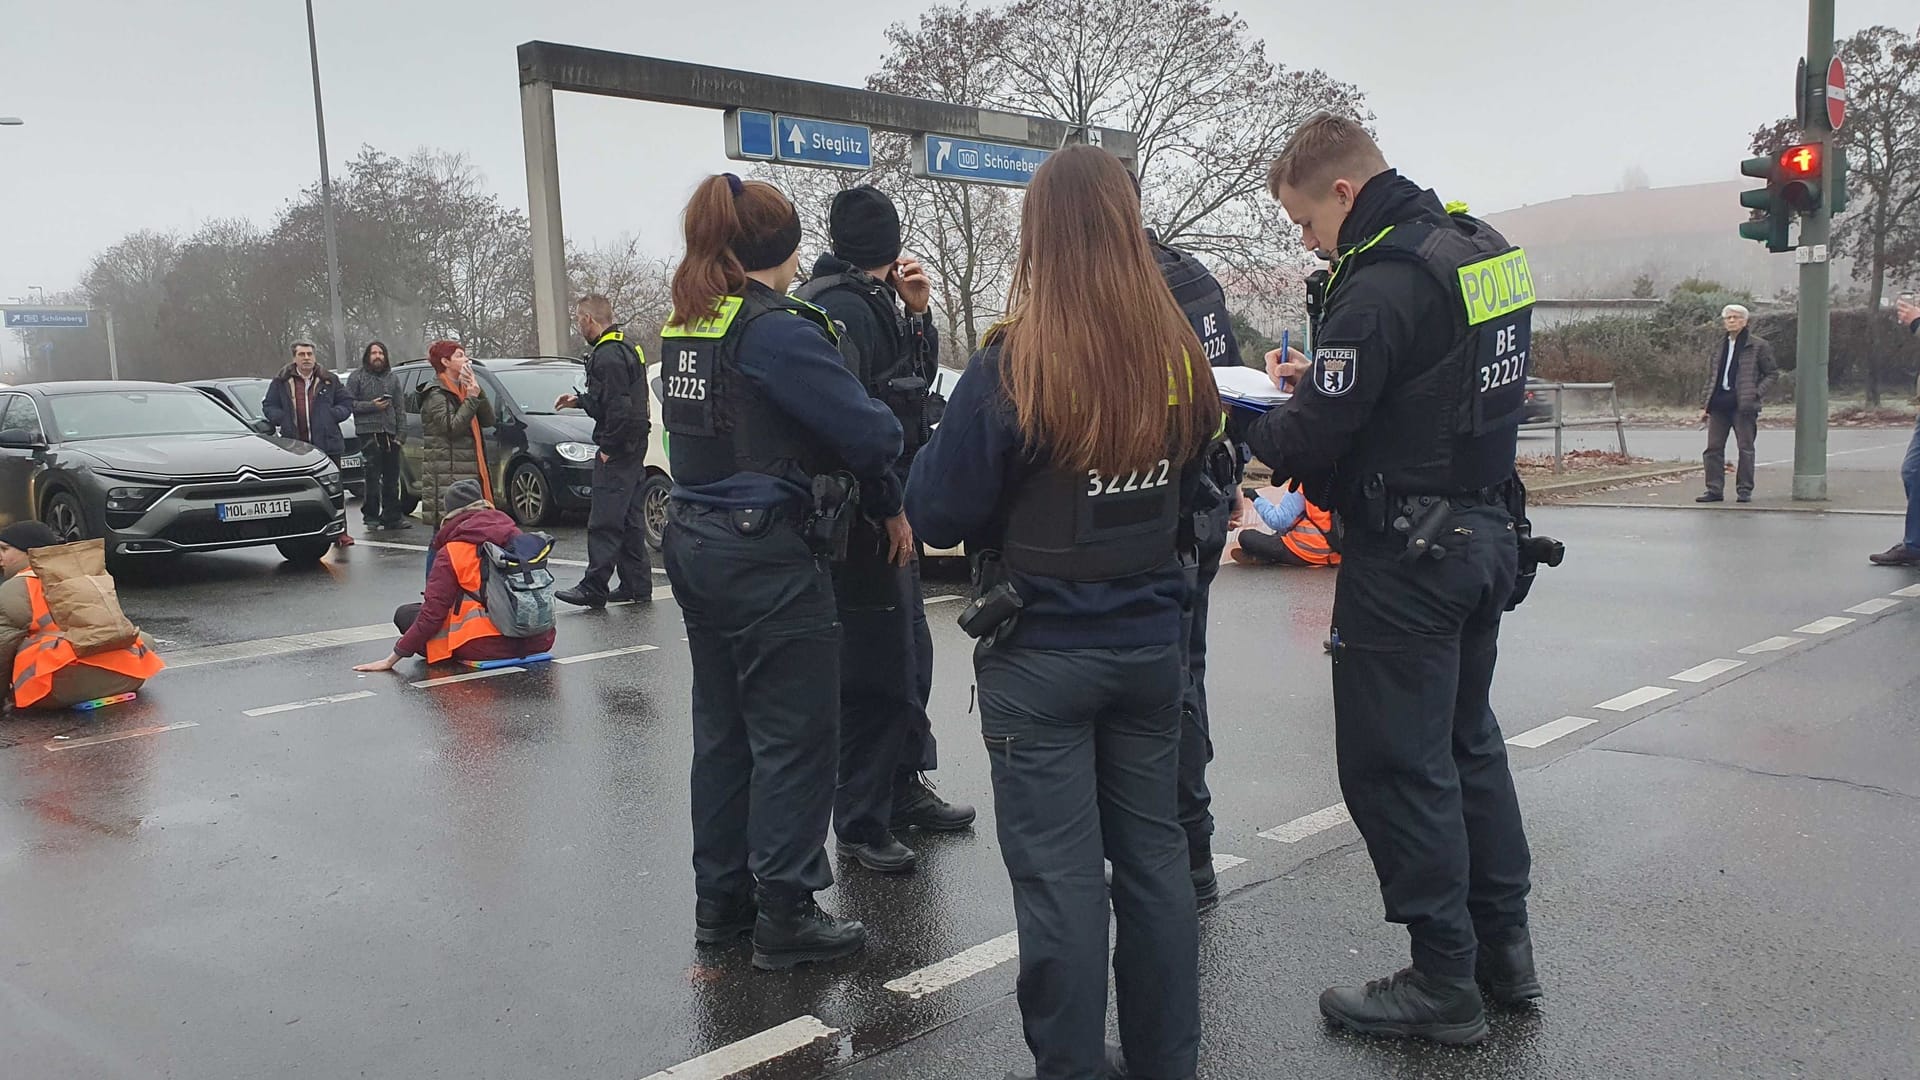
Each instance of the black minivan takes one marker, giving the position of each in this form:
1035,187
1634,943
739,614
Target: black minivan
542,460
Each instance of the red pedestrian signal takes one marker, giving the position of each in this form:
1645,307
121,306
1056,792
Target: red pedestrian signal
1800,176
1801,161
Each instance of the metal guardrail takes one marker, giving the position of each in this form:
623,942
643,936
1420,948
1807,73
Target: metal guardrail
1561,422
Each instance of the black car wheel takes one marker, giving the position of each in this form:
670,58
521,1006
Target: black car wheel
65,517
653,498
309,549
527,495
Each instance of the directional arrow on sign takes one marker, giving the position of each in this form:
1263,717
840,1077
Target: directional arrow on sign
940,161
793,136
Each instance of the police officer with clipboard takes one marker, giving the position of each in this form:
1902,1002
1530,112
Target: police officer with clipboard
1405,423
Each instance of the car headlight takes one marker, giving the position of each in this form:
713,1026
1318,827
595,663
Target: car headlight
132,498
577,451
330,479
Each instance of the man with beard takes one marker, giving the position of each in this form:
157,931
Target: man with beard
375,390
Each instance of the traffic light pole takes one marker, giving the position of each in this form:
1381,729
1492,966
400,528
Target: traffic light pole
1810,392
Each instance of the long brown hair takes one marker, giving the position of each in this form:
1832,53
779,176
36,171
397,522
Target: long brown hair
716,222
1104,370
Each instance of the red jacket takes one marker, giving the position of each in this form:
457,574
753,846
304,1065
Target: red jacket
443,590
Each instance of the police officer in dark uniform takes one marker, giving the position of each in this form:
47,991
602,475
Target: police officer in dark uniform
766,425
878,301
616,398
1068,461
1205,305
1405,422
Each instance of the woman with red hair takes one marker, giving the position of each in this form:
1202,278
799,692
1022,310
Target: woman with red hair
453,411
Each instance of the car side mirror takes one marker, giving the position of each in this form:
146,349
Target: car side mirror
263,426
21,439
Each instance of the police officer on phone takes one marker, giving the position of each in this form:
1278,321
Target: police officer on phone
879,302
1405,423
1204,304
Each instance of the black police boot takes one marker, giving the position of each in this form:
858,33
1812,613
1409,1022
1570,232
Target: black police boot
625,595
916,806
718,921
1409,1004
885,856
791,930
581,596
1206,884
1504,969
1710,497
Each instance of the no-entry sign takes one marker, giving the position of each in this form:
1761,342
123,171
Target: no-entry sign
1836,94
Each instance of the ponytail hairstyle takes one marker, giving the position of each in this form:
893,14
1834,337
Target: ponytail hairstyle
732,226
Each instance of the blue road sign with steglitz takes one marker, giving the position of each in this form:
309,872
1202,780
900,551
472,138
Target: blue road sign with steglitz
798,141
20,318
944,157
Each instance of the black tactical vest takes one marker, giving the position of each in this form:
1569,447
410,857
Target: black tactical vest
900,380
1090,526
1201,301
1452,426
718,421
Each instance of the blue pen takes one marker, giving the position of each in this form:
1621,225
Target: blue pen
1286,348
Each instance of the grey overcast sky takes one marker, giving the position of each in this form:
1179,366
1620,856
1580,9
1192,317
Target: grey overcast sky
164,114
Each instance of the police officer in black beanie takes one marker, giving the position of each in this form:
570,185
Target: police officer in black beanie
880,303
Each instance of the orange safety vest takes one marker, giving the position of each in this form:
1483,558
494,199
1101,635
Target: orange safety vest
1308,538
468,621
47,650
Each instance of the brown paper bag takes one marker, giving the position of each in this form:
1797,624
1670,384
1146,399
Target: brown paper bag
81,597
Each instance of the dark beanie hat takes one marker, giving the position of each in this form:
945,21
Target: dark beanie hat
864,227
462,493
27,535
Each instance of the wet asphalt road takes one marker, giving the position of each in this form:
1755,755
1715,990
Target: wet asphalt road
490,878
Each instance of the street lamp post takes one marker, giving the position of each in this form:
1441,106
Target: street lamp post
326,201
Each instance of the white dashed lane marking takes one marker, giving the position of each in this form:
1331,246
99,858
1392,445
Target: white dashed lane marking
1302,827
1223,863
1712,669
1633,699
1772,644
754,1050
1874,606
96,740
1823,626
1909,591
965,965
1550,731
269,710
465,676
604,654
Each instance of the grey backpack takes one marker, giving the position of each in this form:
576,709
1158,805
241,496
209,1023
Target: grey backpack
516,587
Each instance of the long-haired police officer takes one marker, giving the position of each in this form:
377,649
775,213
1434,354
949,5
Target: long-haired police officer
1405,423
1068,457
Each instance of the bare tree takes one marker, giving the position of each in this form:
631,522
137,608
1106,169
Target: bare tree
1881,228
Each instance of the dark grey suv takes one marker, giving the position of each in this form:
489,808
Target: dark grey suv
158,469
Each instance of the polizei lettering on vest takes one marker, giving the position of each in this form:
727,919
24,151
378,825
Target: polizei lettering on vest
838,144
1495,287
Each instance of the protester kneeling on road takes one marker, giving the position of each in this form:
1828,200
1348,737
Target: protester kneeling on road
49,670
450,623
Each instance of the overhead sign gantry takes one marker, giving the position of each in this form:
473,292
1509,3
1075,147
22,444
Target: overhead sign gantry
768,118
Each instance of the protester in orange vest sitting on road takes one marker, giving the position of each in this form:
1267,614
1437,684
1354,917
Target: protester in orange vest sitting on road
47,673
1300,532
451,622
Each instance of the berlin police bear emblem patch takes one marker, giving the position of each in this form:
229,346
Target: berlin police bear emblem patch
1333,370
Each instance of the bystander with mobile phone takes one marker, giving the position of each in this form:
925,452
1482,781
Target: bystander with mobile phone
378,423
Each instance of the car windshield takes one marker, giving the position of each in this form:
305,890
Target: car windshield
121,414
251,397
535,388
